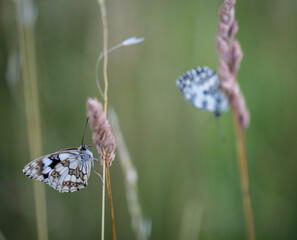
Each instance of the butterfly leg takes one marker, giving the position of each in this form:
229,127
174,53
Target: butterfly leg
96,171
99,160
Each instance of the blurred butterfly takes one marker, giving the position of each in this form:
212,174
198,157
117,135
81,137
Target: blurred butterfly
67,170
200,86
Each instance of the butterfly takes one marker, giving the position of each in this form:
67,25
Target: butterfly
67,170
200,86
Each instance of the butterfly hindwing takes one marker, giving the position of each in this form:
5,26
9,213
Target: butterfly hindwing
70,175
200,86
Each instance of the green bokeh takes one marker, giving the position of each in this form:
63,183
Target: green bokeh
176,148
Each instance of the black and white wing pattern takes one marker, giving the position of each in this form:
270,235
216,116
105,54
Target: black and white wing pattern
67,170
200,86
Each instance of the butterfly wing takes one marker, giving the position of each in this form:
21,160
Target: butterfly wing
200,86
63,170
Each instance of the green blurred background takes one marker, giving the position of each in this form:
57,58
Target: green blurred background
182,163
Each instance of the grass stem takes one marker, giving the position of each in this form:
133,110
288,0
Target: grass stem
110,202
103,204
106,167
29,76
140,225
243,169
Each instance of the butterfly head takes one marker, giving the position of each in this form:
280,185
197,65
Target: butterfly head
83,147
85,153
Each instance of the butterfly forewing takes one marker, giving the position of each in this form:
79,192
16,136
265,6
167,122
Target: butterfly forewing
67,170
200,86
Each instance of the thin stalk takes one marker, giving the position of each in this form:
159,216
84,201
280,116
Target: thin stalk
105,58
191,220
106,168
243,169
2,237
103,203
140,225
110,201
27,49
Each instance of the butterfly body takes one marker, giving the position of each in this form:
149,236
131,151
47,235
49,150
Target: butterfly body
67,170
200,86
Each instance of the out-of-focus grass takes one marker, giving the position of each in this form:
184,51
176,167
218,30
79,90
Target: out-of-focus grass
25,25
175,157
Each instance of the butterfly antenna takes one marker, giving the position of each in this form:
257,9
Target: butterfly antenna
91,145
220,129
83,137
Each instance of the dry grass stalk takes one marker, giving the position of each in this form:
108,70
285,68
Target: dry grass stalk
103,12
140,225
230,56
25,23
2,236
105,141
191,220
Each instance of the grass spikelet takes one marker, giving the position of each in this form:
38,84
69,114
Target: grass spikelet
230,56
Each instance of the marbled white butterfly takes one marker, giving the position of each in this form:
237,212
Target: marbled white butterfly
200,86
67,170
